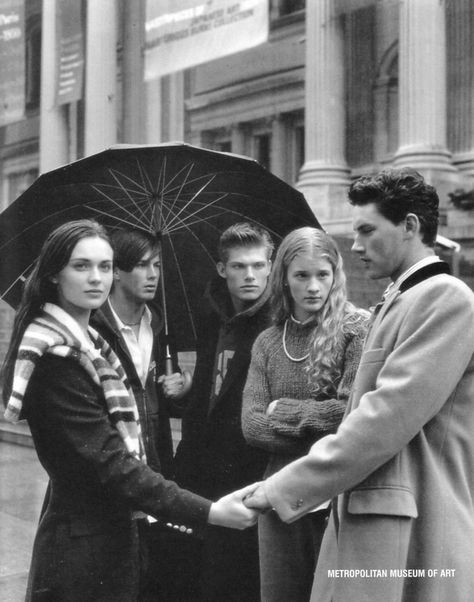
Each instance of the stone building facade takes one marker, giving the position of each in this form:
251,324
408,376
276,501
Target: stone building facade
340,89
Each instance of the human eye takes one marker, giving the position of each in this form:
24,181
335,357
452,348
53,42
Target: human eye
106,266
80,265
260,265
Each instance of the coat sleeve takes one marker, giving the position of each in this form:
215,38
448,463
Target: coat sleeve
431,356
258,428
65,406
316,418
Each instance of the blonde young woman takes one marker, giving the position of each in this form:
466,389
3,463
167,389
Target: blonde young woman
298,383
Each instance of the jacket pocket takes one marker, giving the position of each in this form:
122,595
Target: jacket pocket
374,356
392,501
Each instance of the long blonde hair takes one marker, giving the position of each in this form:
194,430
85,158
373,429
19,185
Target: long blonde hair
337,319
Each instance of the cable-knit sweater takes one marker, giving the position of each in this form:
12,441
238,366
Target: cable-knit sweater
298,419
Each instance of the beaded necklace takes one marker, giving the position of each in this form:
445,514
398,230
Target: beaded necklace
290,357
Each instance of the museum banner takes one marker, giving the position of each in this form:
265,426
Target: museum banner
184,34
70,55
12,63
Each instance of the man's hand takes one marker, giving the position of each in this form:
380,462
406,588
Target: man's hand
258,499
230,510
175,385
271,407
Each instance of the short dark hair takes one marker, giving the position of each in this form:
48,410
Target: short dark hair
244,234
398,192
130,245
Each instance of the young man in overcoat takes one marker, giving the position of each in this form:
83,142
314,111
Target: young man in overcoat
401,463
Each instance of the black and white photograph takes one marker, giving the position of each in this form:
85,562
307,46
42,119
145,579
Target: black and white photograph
236,300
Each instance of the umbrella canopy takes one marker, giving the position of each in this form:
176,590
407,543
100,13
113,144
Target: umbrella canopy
187,195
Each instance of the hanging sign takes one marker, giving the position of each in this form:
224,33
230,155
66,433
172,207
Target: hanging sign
12,63
184,34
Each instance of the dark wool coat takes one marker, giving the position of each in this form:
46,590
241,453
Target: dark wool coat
213,457
86,546
153,407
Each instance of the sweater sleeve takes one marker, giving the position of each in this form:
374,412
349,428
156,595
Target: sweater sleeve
258,429
315,418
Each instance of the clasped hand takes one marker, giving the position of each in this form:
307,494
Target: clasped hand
175,385
232,510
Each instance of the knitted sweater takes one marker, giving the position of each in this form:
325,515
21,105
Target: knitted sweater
298,419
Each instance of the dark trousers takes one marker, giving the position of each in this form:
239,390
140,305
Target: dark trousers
288,555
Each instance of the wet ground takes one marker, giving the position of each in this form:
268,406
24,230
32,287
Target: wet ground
22,487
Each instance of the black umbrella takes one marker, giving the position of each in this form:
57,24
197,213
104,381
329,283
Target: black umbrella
188,195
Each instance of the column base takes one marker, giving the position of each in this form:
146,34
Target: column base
422,159
325,188
464,162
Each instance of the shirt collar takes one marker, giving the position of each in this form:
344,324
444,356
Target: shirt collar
145,316
411,270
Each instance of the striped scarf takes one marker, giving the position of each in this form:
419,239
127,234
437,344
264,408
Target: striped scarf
55,332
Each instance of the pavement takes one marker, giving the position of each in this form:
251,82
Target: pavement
23,484
22,487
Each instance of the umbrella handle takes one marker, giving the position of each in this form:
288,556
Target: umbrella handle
168,365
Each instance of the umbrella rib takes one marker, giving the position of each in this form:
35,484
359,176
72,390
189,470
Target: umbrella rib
139,219
180,189
126,191
20,277
183,286
175,217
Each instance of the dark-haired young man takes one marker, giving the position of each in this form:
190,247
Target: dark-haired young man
402,460
213,457
133,330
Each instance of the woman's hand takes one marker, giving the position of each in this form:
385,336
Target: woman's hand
175,385
231,512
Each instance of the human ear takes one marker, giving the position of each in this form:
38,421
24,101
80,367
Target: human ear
220,267
412,224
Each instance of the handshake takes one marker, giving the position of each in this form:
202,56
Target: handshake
239,509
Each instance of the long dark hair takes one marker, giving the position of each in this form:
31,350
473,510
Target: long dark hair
39,288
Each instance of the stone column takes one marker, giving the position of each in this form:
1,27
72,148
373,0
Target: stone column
460,16
176,106
422,87
279,153
238,139
132,71
325,175
54,131
154,111
101,76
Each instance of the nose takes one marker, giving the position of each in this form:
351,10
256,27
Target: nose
356,246
249,273
313,285
153,272
95,274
